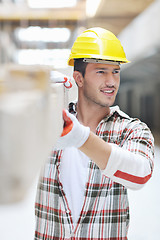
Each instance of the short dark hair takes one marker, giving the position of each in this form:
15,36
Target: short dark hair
80,66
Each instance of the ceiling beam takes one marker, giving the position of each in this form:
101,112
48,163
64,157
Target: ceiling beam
16,12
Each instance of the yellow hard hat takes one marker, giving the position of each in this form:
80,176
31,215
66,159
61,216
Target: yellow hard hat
97,43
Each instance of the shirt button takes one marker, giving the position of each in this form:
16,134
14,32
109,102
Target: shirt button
67,211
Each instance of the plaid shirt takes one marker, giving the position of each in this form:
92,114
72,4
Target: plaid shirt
105,211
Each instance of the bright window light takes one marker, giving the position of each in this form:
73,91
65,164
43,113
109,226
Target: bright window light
55,57
91,7
38,34
51,3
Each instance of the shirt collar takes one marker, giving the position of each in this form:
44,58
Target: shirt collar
117,109
113,110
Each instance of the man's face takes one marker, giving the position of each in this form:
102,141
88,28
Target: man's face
101,83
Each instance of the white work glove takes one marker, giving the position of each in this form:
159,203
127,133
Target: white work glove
74,134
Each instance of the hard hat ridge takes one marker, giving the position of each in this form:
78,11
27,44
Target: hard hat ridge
97,43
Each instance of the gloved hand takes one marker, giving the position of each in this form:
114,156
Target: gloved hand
74,134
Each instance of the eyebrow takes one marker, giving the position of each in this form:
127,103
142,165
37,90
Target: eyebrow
99,68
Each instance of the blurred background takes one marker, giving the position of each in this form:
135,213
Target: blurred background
41,32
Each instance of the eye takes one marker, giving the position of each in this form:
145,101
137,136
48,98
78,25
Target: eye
100,71
116,71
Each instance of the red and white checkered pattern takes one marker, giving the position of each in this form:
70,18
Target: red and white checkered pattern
105,211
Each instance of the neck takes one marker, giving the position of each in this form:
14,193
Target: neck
90,115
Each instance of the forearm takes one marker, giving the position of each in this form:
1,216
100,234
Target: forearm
97,150
128,168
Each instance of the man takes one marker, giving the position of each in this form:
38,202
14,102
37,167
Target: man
83,191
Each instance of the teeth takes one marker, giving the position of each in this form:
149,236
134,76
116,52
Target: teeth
109,91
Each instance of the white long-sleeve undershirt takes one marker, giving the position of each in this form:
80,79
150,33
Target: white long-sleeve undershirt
127,168
124,167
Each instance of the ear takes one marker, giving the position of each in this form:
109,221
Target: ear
78,78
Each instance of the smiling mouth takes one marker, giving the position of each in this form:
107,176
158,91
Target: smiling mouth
108,91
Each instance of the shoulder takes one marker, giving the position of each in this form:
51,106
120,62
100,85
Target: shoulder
132,128
118,117
121,117
120,126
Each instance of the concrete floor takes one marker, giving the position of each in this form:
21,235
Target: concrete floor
17,220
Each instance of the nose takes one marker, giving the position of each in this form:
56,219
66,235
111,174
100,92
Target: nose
110,80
